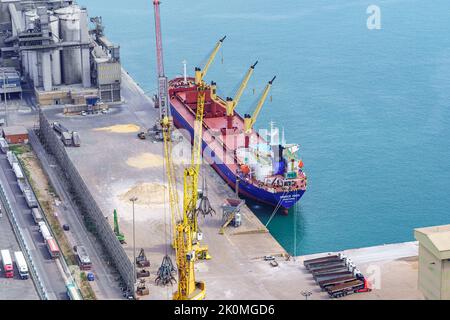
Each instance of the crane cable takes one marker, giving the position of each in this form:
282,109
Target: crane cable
276,208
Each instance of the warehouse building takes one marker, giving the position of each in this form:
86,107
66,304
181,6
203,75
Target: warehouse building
434,262
15,134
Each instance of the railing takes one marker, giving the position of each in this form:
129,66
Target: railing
23,245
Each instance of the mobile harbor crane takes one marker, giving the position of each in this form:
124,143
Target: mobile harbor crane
162,99
186,232
187,248
191,174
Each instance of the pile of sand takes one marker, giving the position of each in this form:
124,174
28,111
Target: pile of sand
147,194
120,128
146,160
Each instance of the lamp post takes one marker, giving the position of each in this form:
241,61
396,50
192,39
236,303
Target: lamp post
306,294
133,200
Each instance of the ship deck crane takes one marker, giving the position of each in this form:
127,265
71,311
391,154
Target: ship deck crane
232,103
249,120
199,73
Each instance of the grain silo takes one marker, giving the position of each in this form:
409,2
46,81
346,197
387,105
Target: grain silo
55,55
69,19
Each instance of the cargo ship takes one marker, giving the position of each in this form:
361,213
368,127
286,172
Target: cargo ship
266,170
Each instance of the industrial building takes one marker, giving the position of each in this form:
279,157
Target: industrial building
10,82
434,262
15,134
51,45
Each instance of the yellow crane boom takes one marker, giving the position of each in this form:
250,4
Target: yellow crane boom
187,228
233,102
199,73
249,121
191,174
166,125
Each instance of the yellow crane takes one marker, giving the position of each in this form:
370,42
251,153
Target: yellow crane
191,175
232,103
199,73
167,125
249,120
188,249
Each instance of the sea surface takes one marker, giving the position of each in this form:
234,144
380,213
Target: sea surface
369,107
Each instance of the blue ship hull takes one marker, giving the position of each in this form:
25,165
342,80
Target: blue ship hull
285,200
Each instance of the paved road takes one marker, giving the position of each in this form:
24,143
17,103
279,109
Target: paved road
13,289
46,267
104,286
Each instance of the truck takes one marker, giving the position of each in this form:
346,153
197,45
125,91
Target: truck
72,292
11,158
37,216
66,138
332,275
325,266
17,171
59,128
76,141
30,198
4,145
346,288
21,264
329,270
331,282
44,231
306,263
324,263
52,248
83,259
7,263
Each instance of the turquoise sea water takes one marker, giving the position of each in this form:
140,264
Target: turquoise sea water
370,108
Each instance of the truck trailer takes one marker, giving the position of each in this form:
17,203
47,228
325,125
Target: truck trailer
346,288
306,263
21,264
7,263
